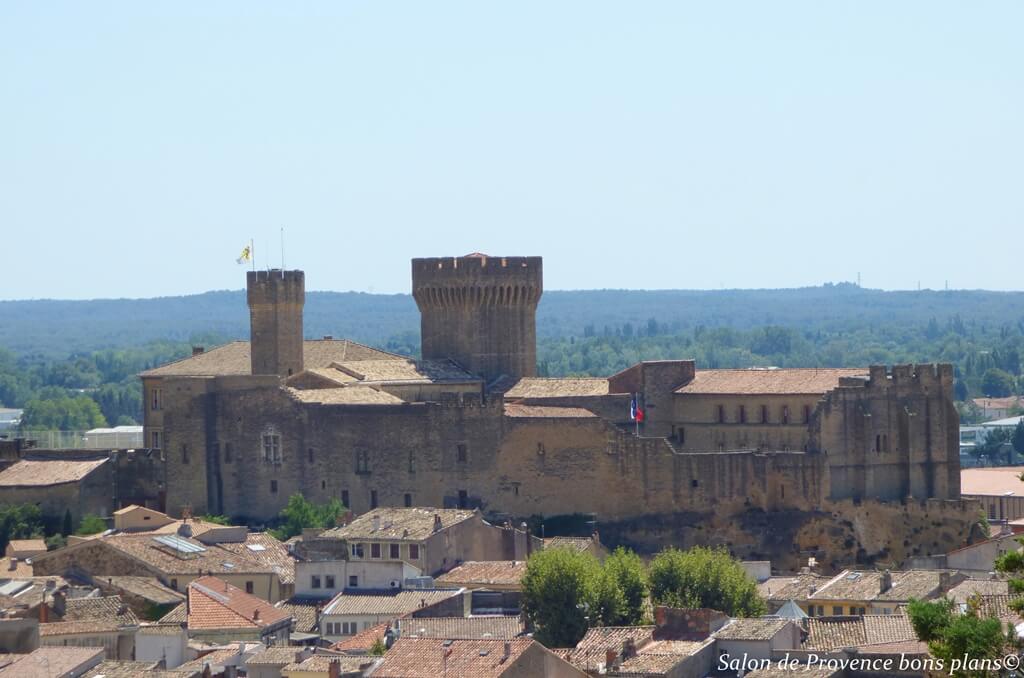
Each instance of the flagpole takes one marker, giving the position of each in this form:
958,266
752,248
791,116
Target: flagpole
282,248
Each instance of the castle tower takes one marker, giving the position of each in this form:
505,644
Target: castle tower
480,311
275,299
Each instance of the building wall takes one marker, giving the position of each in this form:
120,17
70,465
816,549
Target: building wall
697,426
152,647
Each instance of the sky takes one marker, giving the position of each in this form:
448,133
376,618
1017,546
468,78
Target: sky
644,145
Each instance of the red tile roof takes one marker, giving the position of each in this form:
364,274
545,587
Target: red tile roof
997,481
763,381
432,657
215,604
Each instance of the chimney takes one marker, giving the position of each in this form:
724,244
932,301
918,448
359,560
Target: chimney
610,656
944,581
437,522
885,582
376,523
628,649
256,614
506,651
44,614
197,350
334,669
14,564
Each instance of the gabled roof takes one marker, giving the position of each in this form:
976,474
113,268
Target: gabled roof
234,358
26,545
53,661
303,610
464,628
347,395
762,381
40,472
866,585
834,633
110,608
477,574
394,604
215,604
792,587
432,657
980,587
362,641
397,524
751,629
543,387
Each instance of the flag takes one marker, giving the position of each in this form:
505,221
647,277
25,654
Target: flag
246,255
635,413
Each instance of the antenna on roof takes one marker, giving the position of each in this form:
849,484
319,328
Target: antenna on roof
282,248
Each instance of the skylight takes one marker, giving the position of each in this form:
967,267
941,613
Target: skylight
179,545
256,547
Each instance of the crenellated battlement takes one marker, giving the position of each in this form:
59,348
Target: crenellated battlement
276,287
276,299
480,311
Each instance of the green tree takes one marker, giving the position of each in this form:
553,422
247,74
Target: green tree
704,577
300,513
930,619
55,542
218,520
997,383
951,636
91,524
62,413
377,649
67,526
20,521
1017,439
630,577
559,593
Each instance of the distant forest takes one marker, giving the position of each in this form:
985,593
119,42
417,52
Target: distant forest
72,364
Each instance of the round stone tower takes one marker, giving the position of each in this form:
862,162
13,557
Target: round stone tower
480,311
276,299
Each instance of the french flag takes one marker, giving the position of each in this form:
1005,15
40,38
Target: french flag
635,413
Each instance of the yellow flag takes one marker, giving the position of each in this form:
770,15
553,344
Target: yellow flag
246,255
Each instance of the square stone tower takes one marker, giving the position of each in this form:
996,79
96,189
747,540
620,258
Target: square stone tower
480,311
276,299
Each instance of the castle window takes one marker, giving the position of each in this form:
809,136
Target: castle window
694,483
681,433
408,500
228,458
155,435
461,453
878,442
885,442
721,414
807,414
315,581
540,449
394,551
764,414
249,587
272,446
323,484
412,467
344,498
156,396
184,453
782,491
273,487
310,451
463,499
743,414
785,414
329,581
373,499
362,461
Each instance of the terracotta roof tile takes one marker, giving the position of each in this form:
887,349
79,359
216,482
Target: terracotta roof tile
43,472
590,651
27,545
68,628
998,606
347,395
396,604
320,663
408,524
133,669
463,628
215,604
234,358
362,641
983,587
110,608
792,587
866,585
431,657
540,387
785,381
751,629
303,611
45,662
480,574
832,633
546,412
279,655
573,543
405,371
782,670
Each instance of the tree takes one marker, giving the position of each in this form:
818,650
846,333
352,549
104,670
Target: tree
704,577
218,520
55,542
1018,437
67,527
300,513
377,649
627,570
996,440
997,383
91,524
951,637
558,594
20,521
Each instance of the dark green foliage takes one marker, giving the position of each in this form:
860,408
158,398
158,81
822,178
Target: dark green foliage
704,577
21,521
55,541
630,577
300,513
930,619
91,524
63,413
377,649
219,520
67,527
559,592
1017,439
997,383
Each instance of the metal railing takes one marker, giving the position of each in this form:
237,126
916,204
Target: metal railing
78,440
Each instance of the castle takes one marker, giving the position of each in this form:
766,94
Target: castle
841,463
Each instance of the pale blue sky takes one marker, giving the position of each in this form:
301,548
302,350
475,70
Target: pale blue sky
632,144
